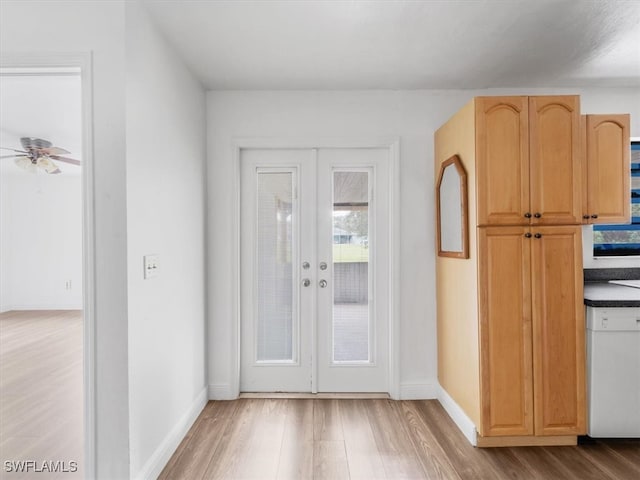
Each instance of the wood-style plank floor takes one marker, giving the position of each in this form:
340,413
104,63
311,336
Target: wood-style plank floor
334,439
41,394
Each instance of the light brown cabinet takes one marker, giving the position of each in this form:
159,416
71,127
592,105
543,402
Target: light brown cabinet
606,189
531,346
528,160
511,319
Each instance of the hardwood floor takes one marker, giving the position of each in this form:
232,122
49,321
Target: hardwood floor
41,395
369,439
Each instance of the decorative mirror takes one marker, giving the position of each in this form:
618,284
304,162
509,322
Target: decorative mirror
451,209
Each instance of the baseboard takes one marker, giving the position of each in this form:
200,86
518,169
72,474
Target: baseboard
418,391
221,391
464,423
5,308
64,306
153,467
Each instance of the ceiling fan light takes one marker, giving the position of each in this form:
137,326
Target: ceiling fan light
47,165
25,164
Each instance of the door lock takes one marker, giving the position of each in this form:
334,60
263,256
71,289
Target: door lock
323,265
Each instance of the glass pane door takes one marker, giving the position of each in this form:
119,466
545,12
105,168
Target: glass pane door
276,300
351,244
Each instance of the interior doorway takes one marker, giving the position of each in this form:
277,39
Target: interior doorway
42,273
315,270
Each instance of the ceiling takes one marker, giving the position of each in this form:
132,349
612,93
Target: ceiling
44,105
430,44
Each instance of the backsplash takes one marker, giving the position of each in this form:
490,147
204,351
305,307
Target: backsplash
606,274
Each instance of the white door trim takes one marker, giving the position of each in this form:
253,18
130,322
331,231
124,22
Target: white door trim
83,61
393,146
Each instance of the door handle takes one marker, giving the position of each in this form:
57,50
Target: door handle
322,283
306,282
323,265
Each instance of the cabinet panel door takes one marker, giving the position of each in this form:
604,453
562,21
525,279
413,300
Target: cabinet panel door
502,159
558,330
505,331
608,169
555,156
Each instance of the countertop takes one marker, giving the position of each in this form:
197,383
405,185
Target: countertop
604,294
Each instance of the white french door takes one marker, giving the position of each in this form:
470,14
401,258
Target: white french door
314,270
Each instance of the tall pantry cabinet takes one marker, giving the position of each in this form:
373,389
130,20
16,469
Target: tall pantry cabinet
511,342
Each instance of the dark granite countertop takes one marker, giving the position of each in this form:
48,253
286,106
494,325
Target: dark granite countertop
604,294
598,292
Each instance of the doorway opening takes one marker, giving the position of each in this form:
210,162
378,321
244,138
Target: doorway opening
43,246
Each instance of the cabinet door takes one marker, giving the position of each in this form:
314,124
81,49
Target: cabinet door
608,169
505,331
502,159
555,160
558,330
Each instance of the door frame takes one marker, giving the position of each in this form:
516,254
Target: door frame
392,145
83,62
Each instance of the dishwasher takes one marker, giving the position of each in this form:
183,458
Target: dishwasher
613,372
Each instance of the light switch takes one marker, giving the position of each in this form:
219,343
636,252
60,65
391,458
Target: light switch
151,266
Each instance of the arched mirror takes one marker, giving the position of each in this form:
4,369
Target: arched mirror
451,209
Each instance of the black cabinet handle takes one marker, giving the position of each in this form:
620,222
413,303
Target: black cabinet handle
538,235
527,235
586,217
594,216
527,215
537,215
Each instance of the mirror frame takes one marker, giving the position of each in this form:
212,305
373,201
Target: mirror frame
464,207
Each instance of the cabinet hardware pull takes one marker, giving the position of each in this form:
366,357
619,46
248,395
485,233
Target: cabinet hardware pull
527,215
586,217
537,215
594,216
527,235
538,235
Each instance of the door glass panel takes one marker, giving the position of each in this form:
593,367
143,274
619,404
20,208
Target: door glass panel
276,322
351,325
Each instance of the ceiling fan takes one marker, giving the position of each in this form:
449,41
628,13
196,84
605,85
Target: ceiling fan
39,153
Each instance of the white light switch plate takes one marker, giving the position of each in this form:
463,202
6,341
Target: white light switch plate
151,266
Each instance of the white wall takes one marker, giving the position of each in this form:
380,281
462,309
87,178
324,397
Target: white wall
97,27
165,216
41,222
411,115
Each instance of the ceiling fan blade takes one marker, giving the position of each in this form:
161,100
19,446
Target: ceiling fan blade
72,161
13,156
25,164
33,143
53,151
13,150
47,165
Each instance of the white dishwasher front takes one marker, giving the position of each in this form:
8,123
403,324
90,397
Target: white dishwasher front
613,369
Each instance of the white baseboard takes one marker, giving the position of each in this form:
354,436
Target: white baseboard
158,460
5,308
64,306
221,391
418,391
464,423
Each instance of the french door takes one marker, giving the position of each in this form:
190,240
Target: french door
314,270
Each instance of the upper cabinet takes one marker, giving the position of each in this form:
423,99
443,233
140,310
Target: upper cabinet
607,193
528,163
